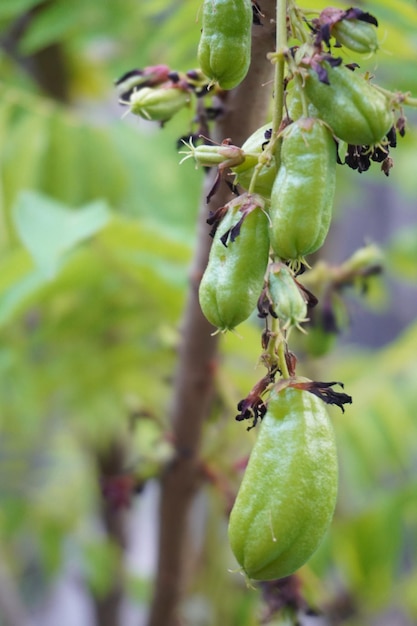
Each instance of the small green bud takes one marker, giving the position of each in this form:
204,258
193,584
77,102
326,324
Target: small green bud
209,155
288,301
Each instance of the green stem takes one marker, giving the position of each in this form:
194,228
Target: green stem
410,102
397,97
281,45
279,346
279,59
281,358
275,144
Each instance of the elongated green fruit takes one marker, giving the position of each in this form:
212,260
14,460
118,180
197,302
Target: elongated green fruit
288,494
225,45
353,108
356,35
303,192
233,280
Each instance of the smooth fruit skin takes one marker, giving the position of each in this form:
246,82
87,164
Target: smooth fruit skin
355,111
356,35
288,494
303,192
158,103
224,51
233,279
287,299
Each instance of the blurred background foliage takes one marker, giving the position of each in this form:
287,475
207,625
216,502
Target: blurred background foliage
96,233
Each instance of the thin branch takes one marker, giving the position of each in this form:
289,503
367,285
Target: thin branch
244,110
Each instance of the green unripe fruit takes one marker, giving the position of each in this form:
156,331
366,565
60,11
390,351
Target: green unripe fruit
253,149
287,299
303,192
224,50
353,108
294,104
288,494
233,279
158,104
356,35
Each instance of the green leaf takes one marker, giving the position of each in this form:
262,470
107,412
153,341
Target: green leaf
22,154
104,175
402,253
18,281
368,549
14,8
101,560
63,168
18,293
48,229
54,22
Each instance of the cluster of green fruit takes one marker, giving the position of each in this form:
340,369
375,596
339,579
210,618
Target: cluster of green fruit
285,177
261,238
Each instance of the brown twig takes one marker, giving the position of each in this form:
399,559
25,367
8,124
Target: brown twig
244,110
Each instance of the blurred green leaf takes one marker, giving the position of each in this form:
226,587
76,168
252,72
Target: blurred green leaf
402,253
49,230
377,439
100,562
369,551
53,22
138,588
13,8
25,146
18,293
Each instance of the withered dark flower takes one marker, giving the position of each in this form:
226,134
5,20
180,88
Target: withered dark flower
215,218
264,305
400,125
392,137
316,64
387,165
359,157
325,392
253,407
248,203
379,154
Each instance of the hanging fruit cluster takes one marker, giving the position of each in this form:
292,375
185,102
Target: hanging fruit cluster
284,179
